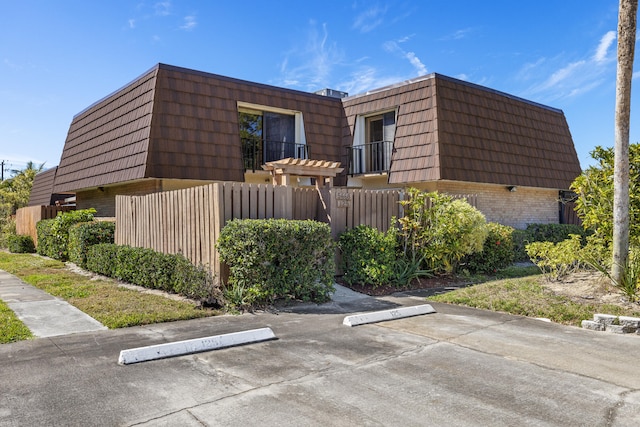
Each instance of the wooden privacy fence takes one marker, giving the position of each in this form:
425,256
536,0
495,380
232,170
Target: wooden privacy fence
189,221
28,217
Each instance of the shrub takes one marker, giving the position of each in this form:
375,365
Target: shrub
557,260
155,270
368,255
497,251
55,232
86,234
21,244
594,188
440,230
520,239
277,258
7,229
553,233
101,259
46,239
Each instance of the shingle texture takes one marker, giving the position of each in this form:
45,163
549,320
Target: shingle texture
175,123
447,129
178,123
42,188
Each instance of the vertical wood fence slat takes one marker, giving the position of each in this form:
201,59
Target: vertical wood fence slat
189,221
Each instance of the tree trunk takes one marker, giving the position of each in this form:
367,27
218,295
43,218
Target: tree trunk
627,16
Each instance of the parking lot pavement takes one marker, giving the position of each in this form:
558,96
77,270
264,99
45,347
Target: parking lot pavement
458,366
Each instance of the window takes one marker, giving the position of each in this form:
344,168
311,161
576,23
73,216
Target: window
373,143
270,135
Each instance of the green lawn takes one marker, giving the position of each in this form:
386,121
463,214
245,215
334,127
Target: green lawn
104,300
527,297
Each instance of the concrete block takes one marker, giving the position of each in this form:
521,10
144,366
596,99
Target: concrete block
619,329
633,322
605,319
592,325
179,348
381,316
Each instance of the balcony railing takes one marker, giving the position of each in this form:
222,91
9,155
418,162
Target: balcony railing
257,153
373,157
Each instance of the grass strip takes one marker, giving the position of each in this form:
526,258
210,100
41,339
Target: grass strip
11,328
102,299
527,297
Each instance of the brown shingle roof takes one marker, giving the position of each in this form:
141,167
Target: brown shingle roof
178,123
447,129
42,189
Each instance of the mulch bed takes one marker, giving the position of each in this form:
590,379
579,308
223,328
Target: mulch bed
419,283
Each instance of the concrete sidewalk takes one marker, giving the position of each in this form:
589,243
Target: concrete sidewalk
44,315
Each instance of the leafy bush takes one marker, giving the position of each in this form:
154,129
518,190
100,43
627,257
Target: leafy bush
21,244
520,239
101,258
594,188
277,258
7,229
368,255
54,240
557,260
46,239
497,251
440,230
554,233
155,270
86,234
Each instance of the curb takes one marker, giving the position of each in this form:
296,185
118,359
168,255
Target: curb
179,348
381,316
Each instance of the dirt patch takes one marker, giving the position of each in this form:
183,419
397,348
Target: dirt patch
583,287
437,282
589,287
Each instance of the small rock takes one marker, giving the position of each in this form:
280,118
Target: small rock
605,319
619,329
592,325
633,322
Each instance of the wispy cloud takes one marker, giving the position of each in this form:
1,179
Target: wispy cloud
162,8
189,23
458,34
366,78
367,20
315,60
132,23
603,48
394,47
556,78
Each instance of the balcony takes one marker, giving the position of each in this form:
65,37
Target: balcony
372,157
257,153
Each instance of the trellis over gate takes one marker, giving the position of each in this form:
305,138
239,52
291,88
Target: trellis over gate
189,221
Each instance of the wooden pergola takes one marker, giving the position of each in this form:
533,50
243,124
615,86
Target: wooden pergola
322,170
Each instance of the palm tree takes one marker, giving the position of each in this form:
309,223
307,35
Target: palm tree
627,16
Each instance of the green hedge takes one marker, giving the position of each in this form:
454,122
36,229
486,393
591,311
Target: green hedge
86,234
368,255
553,233
53,234
155,270
277,258
21,244
47,244
497,251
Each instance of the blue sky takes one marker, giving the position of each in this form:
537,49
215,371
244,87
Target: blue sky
59,57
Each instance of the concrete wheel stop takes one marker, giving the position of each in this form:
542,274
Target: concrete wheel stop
393,314
197,345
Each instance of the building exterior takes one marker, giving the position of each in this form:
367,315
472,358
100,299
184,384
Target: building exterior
174,128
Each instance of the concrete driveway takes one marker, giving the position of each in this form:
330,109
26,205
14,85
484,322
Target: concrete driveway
459,366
